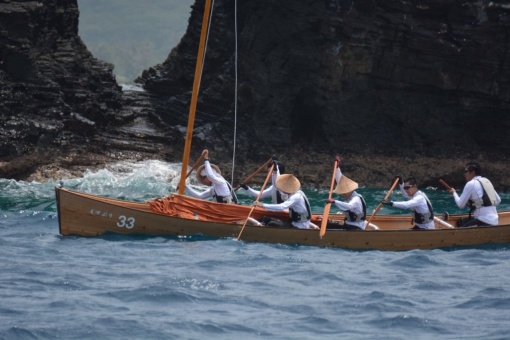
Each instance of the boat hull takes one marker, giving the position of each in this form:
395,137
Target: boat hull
88,215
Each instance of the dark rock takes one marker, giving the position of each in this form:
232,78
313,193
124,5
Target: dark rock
375,78
390,77
51,84
393,86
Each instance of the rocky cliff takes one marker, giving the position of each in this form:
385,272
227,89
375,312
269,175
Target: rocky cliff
60,107
395,86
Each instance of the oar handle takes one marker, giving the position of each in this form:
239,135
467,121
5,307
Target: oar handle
325,215
197,163
249,178
258,198
443,183
199,160
391,189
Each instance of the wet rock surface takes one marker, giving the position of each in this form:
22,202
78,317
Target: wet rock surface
394,87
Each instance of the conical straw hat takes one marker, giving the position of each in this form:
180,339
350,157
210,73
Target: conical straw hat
201,172
345,186
288,183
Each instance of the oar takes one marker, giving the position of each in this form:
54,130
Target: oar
325,214
447,187
446,224
199,160
385,198
249,178
258,198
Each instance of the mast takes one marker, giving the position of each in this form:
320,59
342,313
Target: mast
194,96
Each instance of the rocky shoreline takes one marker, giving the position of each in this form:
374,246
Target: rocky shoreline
313,169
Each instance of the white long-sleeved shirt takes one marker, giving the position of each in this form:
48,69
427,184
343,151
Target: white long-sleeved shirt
271,191
418,202
354,204
473,190
338,175
296,201
199,194
218,185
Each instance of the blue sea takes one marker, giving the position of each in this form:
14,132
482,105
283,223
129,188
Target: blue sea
122,287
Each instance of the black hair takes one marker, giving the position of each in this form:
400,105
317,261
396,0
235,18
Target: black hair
474,166
411,180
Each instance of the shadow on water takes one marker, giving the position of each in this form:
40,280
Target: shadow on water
112,237
488,246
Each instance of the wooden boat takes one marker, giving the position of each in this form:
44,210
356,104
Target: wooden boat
178,215
89,215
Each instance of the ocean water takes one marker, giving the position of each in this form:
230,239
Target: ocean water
122,287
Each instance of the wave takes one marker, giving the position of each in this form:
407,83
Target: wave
145,180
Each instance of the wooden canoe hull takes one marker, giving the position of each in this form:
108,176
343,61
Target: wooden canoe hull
88,215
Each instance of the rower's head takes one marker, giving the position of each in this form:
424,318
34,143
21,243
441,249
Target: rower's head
345,187
471,170
202,176
288,184
410,185
347,195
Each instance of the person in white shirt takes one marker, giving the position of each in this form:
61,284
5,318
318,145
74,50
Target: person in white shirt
480,196
272,191
353,206
297,204
210,175
423,214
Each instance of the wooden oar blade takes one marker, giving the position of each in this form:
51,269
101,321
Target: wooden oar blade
324,222
376,210
325,215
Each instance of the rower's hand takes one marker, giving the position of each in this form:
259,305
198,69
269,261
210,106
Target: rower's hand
273,163
258,204
452,191
400,179
387,202
330,200
205,154
244,186
338,160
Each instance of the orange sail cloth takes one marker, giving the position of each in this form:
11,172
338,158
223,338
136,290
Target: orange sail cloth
193,208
